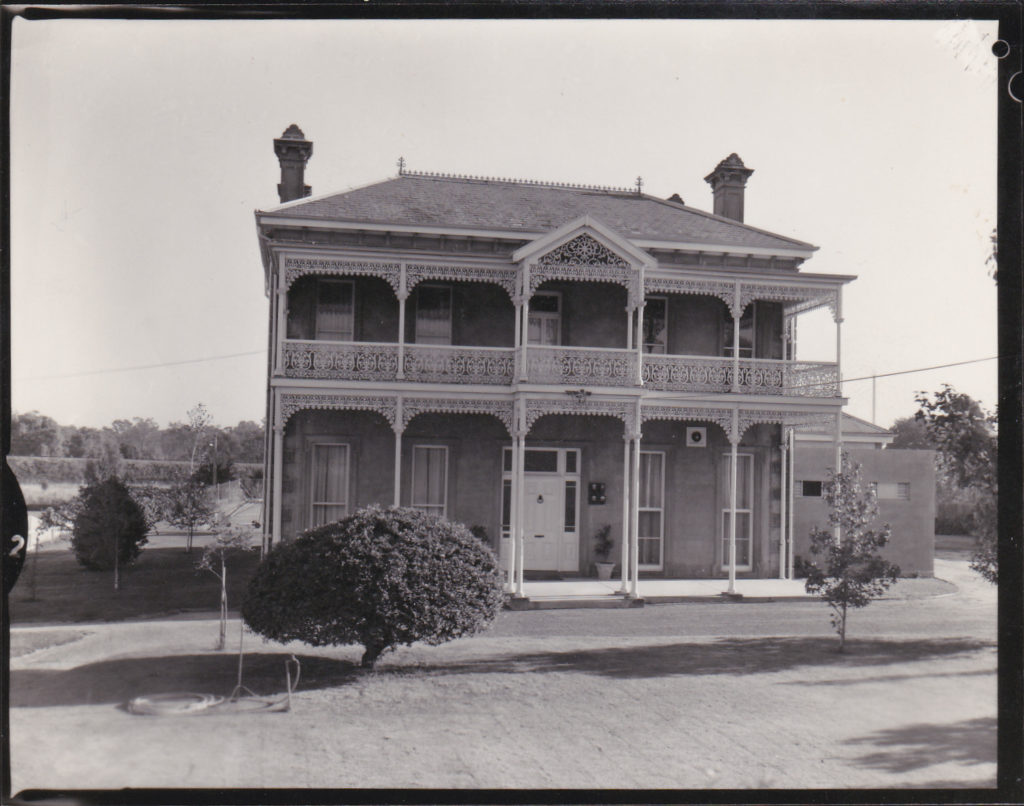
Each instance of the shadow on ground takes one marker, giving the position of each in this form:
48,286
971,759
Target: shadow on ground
725,656
119,680
914,747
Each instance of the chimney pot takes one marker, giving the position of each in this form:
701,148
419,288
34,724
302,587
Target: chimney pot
728,181
293,151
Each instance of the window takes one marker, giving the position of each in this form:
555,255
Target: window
651,506
433,314
744,508
809,489
656,325
570,506
540,461
746,333
329,498
430,479
893,491
545,323
335,317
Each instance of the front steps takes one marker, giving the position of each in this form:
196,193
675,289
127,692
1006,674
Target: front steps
613,601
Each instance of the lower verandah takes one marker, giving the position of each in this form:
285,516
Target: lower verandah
459,466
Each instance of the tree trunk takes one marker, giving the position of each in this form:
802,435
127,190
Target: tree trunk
223,604
373,651
842,629
117,563
188,543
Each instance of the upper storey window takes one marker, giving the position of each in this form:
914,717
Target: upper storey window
433,314
335,319
656,325
545,326
747,323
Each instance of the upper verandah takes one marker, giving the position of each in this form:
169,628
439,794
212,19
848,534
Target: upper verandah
529,209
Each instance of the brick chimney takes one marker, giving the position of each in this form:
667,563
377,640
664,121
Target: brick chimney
728,181
293,149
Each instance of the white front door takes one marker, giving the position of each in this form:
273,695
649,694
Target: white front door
543,533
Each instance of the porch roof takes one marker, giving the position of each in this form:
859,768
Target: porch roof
530,209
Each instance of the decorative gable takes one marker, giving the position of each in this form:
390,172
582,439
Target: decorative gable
583,250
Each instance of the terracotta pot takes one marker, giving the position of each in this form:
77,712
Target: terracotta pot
604,570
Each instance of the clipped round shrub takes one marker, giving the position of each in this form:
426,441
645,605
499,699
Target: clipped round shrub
379,578
107,517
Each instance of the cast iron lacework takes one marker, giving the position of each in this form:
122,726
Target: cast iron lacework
296,267
725,291
415,273
720,417
358,362
403,171
502,409
583,250
578,366
444,364
623,410
806,298
386,406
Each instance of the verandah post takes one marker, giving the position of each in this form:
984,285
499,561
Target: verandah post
734,438
398,428
626,437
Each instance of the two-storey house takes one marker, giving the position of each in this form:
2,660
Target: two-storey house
541,360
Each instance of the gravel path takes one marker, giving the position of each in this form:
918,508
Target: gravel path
672,696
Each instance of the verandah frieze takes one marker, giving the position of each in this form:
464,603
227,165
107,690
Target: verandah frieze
296,267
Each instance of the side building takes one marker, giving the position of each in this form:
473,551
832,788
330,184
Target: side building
542,360
903,480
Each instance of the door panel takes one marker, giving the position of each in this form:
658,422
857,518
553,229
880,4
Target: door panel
543,525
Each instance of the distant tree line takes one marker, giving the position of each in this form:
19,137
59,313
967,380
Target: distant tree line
35,434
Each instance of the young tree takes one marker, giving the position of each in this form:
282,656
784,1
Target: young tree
852,572
109,527
188,506
215,560
379,578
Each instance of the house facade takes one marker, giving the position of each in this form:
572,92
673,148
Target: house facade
541,360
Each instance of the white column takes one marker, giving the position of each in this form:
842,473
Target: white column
634,506
524,327
520,504
629,328
625,513
518,372
783,495
737,313
513,514
282,324
792,512
278,470
398,451
640,342
734,439
837,440
401,337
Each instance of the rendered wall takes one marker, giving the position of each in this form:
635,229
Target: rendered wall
912,545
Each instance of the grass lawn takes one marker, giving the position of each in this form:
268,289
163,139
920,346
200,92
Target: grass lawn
163,581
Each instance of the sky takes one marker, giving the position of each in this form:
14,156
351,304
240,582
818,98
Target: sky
141,149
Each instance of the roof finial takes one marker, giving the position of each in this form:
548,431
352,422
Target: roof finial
639,184
401,165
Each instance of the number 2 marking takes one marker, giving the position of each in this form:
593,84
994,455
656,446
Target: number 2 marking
19,544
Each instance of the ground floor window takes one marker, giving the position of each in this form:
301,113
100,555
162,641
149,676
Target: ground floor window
744,509
651,529
430,479
330,483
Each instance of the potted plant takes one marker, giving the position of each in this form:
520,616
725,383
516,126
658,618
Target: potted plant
602,548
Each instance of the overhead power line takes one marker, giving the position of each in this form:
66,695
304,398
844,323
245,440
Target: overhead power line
143,366
919,369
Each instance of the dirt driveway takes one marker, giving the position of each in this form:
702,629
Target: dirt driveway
674,696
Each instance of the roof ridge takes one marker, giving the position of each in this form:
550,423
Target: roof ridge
510,181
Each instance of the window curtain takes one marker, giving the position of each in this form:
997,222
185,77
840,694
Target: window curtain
330,483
